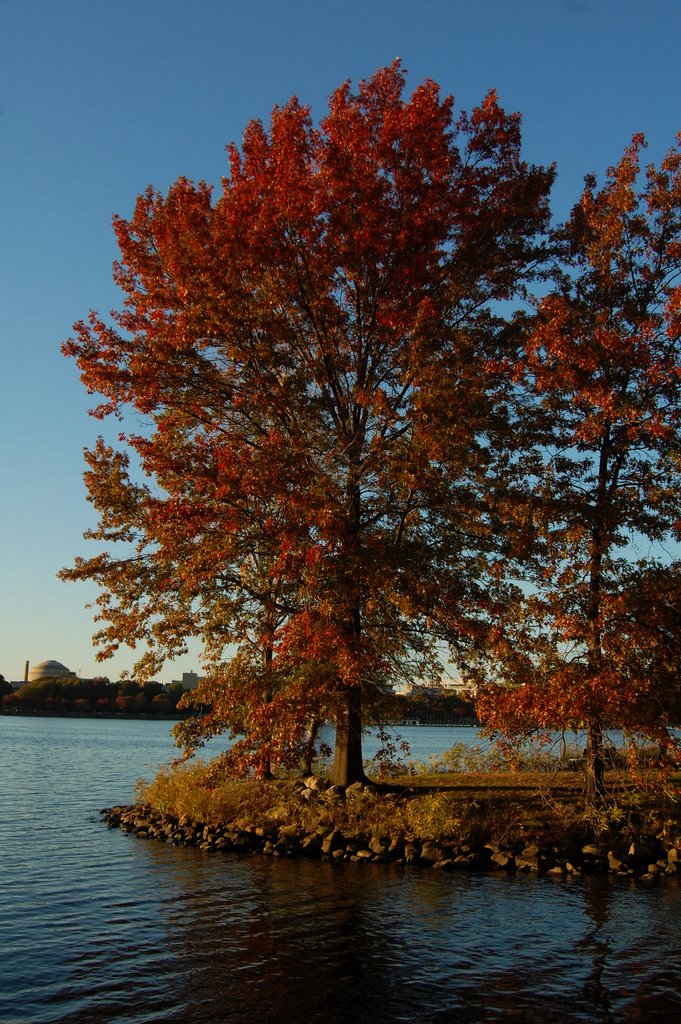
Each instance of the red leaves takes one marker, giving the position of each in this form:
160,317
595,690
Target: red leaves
592,647
319,359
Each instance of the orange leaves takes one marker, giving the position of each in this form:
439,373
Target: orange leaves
320,360
593,646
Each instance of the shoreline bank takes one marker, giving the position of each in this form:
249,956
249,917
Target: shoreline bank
643,857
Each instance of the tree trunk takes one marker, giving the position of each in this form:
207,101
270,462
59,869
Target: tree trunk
347,761
267,772
308,756
594,767
594,762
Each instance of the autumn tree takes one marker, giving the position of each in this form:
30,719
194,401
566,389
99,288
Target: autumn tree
593,644
316,354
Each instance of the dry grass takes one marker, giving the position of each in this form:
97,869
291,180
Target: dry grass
462,807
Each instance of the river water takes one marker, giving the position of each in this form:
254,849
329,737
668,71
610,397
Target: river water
97,926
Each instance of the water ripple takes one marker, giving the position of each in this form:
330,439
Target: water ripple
99,928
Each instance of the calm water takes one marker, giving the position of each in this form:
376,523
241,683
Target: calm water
96,926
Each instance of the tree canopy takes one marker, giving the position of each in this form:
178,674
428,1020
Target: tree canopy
596,643
358,432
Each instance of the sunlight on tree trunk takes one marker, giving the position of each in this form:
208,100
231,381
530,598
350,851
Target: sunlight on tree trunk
347,763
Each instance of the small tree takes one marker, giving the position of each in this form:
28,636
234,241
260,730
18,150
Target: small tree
603,368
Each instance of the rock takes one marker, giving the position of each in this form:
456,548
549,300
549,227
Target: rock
355,790
591,850
461,862
311,844
411,853
527,863
643,853
333,793
314,783
615,863
332,842
396,847
378,847
431,852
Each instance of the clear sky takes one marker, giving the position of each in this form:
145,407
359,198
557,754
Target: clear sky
98,99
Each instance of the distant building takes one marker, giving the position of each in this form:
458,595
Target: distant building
189,681
443,688
46,670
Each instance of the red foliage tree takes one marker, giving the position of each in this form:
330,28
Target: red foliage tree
315,351
587,650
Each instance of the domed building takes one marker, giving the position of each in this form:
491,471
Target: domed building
48,670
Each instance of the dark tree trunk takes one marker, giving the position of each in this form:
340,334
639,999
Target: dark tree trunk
594,767
267,772
594,761
347,761
309,753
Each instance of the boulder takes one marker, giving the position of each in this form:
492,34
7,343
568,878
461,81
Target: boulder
332,842
432,852
314,783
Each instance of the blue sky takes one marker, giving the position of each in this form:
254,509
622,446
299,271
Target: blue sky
97,100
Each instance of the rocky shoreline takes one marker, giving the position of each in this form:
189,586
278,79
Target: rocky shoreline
648,858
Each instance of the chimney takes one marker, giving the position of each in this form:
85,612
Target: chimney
26,672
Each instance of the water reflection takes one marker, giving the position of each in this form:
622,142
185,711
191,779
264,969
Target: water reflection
105,929
232,939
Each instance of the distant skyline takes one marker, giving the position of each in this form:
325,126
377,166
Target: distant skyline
99,100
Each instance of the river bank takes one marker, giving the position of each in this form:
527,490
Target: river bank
500,830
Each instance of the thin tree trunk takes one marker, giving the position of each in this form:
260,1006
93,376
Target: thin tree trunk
594,761
267,659
594,766
310,746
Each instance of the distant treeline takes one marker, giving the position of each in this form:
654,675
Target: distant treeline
434,708
100,696
91,696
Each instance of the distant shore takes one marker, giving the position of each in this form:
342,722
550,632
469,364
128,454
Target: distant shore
118,715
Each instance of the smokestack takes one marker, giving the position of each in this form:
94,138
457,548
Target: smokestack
26,672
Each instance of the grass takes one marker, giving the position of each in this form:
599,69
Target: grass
465,807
